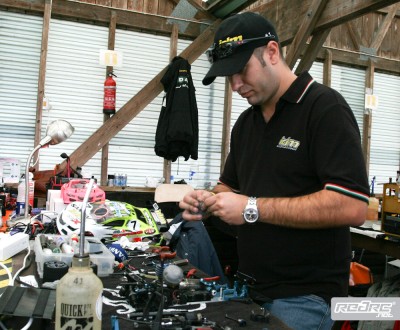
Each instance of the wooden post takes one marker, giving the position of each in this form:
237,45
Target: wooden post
42,74
172,53
111,44
366,141
226,125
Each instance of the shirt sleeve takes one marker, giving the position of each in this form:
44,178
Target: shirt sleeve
336,150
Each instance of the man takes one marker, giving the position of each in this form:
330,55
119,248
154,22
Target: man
294,180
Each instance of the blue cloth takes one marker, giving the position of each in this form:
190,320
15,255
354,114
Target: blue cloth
191,241
302,313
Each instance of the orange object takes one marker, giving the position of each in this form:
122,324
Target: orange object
360,274
3,229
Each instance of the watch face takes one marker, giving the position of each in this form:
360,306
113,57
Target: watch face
251,215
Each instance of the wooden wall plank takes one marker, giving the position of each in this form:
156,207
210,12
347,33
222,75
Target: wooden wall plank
104,2
150,6
136,5
122,4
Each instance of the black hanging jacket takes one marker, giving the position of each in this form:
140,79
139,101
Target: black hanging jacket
178,128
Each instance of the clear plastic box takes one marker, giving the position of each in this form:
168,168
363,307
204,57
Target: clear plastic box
98,252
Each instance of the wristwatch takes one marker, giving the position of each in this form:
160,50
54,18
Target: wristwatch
250,212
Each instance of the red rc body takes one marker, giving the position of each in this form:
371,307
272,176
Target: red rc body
110,91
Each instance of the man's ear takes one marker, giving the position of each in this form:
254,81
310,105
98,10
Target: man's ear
273,51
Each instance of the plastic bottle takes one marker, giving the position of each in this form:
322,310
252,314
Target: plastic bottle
79,297
20,210
21,197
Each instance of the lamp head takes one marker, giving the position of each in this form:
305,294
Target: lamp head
57,131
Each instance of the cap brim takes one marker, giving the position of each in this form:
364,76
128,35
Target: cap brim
228,66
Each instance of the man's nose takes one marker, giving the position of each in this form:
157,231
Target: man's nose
235,81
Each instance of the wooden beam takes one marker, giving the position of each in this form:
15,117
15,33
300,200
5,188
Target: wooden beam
311,53
203,14
101,15
304,32
136,104
104,151
336,12
384,27
357,59
354,35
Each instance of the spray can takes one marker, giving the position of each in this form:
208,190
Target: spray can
20,209
79,297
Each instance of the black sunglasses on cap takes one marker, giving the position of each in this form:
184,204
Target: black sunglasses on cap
217,52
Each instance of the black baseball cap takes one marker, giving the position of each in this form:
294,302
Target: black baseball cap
235,41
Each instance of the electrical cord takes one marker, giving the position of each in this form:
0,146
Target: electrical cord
28,325
11,281
25,265
3,326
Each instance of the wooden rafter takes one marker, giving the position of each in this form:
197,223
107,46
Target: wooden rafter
299,42
336,13
354,35
311,53
101,15
384,27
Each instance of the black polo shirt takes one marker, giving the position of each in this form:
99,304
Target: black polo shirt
312,142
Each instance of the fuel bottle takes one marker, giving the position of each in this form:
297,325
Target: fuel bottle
79,297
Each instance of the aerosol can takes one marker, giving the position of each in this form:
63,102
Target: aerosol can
79,293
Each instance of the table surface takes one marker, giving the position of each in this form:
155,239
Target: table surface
382,244
213,311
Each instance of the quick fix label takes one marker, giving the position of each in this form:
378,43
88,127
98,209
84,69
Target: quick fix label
74,317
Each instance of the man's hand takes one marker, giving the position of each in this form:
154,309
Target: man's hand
228,206
193,205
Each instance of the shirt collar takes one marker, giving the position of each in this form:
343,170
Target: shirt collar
298,88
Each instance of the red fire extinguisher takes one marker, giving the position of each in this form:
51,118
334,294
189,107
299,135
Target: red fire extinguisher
110,91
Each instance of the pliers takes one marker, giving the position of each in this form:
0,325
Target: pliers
164,252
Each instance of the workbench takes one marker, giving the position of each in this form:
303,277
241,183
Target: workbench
214,311
381,244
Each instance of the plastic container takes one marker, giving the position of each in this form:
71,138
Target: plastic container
98,252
